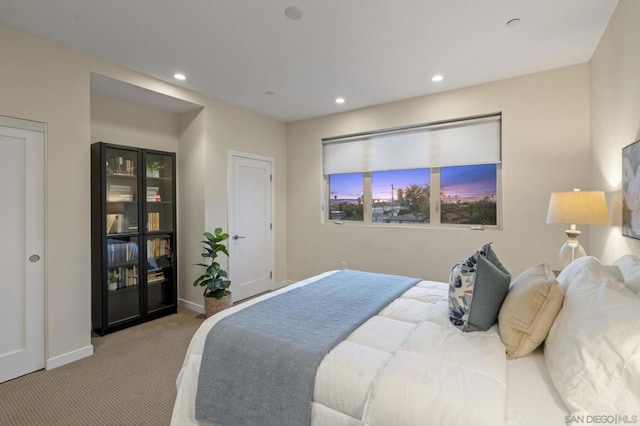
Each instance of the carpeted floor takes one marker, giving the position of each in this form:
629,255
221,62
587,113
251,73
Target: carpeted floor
130,380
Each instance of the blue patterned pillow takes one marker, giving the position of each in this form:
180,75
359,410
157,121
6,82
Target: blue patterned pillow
477,288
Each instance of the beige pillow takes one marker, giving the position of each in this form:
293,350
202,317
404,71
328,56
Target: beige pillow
528,311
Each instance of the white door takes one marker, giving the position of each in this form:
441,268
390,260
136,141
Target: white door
250,225
22,251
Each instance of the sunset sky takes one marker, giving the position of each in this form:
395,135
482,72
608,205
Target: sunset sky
467,183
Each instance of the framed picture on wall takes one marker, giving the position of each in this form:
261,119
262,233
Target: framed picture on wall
631,190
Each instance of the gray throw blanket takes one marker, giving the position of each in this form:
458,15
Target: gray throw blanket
259,364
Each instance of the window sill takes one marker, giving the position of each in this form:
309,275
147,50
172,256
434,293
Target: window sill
447,227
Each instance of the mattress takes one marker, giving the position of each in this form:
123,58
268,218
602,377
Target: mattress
409,366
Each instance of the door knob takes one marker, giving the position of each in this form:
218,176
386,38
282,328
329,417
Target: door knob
34,258
236,237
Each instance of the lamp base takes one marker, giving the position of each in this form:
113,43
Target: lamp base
571,249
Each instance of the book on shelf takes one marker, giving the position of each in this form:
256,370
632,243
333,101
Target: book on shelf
115,223
127,276
119,193
131,276
153,194
159,247
121,251
154,277
120,166
153,221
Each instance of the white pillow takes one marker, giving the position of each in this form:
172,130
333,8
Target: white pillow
593,348
630,267
575,269
578,266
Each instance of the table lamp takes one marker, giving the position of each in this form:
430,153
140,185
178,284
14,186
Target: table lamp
576,207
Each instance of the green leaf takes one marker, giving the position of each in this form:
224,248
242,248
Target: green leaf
213,278
219,294
200,280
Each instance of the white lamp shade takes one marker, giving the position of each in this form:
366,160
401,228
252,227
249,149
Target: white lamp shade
578,207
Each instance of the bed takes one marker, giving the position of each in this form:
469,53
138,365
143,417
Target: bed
408,365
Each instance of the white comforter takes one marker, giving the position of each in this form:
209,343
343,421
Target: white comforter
405,366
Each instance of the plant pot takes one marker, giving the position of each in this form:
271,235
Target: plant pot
213,305
153,173
112,286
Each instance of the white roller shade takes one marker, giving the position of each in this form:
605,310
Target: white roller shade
459,143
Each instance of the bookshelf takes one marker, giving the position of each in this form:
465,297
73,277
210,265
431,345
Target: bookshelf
133,236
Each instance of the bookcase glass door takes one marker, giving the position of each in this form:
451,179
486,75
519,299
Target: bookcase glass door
133,236
121,189
160,191
160,272
123,278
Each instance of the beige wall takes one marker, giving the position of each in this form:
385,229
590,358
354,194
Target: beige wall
43,82
191,202
615,121
125,123
546,130
236,129
202,139
204,182
545,143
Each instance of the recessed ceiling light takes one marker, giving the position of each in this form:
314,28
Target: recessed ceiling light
179,76
437,77
513,22
339,100
293,12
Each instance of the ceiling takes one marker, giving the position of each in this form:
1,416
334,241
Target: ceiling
248,53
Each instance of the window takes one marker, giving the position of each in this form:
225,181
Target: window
345,196
468,195
400,196
441,173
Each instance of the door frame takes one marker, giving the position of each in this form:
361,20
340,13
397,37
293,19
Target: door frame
272,162
40,127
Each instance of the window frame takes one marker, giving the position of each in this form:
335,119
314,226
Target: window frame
435,203
327,215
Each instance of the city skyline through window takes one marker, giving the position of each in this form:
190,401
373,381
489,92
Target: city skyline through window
468,195
462,183
468,183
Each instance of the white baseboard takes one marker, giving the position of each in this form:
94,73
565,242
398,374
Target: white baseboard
191,306
283,284
60,360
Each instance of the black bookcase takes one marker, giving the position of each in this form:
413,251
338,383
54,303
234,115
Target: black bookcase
133,236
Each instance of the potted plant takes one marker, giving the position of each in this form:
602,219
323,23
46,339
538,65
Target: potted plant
112,280
214,280
153,169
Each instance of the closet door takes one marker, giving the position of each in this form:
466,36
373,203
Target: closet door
22,252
